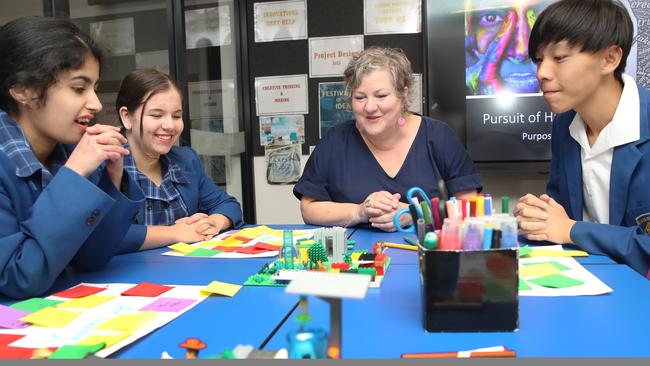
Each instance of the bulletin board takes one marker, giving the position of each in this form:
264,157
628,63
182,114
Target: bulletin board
289,55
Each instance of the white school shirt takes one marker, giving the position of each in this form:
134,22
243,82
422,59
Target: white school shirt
597,160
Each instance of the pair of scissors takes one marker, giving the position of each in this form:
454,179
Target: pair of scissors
421,208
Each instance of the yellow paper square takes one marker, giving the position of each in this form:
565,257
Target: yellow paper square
230,242
51,317
221,288
355,256
86,302
556,253
108,339
538,270
252,232
207,244
182,247
275,232
128,322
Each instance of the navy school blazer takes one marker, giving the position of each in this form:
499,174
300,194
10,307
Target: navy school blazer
71,222
626,238
200,194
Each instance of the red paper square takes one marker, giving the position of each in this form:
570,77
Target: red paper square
147,289
6,339
79,291
250,250
225,249
15,352
267,247
243,239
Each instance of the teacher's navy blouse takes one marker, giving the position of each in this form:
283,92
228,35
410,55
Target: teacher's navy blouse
342,168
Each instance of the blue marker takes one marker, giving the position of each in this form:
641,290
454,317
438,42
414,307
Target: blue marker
488,205
487,238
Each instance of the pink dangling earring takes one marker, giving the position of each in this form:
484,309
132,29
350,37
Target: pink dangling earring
357,125
401,121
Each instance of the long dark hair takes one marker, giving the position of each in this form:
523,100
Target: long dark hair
35,50
138,87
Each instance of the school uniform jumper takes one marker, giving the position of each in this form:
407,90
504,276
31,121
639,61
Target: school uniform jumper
185,190
626,238
49,220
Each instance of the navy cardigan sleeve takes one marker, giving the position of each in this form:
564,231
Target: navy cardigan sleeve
72,219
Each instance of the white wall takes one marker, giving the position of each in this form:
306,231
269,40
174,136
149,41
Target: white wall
275,204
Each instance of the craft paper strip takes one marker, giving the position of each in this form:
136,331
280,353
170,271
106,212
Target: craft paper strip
221,288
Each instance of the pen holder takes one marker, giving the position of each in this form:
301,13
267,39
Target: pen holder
469,290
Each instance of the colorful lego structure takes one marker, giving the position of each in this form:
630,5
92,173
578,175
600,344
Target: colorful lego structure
334,241
312,255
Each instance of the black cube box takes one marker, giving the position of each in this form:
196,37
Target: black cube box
469,290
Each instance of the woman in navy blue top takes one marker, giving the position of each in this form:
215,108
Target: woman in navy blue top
360,172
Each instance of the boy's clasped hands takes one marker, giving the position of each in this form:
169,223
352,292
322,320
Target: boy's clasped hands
543,219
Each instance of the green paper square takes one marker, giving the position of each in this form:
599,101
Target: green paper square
560,266
557,281
557,265
76,351
523,285
524,251
203,252
34,304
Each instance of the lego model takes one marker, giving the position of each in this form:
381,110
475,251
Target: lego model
313,255
333,239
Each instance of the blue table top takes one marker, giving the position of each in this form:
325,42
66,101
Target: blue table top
388,322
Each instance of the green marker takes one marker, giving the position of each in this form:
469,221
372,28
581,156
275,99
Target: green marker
431,240
410,240
505,204
426,213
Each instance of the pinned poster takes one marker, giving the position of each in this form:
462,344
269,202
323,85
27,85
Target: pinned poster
280,20
334,106
282,163
386,16
328,56
281,95
282,130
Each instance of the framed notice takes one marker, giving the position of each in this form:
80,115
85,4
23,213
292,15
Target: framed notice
281,95
386,16
280,20
117,35
415,97
328,56
207,27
